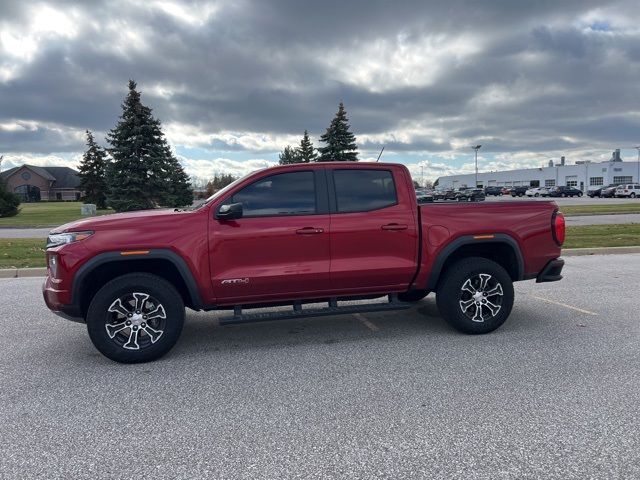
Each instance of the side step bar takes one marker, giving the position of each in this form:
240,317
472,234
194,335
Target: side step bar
299,312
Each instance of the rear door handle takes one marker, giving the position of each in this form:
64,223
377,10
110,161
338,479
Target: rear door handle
394,226
309,231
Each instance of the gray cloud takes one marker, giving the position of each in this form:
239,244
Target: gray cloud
417,76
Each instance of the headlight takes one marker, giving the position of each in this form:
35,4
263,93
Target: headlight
57,239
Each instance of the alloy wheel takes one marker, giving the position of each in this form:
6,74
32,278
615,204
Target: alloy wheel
481,297
136,321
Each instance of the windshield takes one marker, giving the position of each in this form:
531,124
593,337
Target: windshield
223,191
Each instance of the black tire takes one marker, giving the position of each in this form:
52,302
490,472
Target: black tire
412,295
633,195
135,342
453,294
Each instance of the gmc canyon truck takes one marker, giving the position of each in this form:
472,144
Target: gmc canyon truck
307,236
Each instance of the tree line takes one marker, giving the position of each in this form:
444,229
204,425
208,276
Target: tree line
340,144
137,170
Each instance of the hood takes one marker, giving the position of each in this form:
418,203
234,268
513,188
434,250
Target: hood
106,221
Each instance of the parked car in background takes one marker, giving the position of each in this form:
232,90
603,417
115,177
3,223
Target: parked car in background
439,194
518,191
493,190
457,193
596,192
424,196
608,192
563,191
628,190
471,195
537,192
506,191
450,194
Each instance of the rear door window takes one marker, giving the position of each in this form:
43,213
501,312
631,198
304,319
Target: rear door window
361,190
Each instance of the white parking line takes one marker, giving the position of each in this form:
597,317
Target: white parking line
563,305
366,323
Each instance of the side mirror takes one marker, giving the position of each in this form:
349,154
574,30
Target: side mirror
229,212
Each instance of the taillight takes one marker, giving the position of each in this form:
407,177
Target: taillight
558,228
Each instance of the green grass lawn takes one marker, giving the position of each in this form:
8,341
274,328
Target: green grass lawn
569,210
21,252
603,236
46,214
28,252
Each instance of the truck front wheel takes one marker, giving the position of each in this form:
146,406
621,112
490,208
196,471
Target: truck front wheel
475,295
135,318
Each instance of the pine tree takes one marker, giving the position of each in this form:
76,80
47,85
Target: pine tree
306,151
144,173
9,201
289,155
93,173
180,191
340,142
218,182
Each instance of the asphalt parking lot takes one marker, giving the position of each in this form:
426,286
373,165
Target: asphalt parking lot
555,393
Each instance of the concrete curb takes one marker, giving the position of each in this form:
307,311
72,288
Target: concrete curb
598,214
577,252
22,272
27,227
9,273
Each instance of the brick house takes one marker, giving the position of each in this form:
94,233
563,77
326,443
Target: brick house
34,184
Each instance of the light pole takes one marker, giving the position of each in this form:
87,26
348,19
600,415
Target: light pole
638,177
476,148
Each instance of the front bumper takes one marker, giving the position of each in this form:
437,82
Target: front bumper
551,272
52,297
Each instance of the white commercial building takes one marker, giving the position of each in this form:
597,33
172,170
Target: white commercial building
583,175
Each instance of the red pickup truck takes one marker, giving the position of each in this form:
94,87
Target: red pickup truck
309,236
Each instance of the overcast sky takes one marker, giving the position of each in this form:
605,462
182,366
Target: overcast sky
235,81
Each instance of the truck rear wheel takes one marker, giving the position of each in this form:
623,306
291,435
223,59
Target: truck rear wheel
135,318
475,295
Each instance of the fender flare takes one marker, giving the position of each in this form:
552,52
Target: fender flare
451,248
154,254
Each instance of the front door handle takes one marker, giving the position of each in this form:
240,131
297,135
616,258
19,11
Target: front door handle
394,226
309,231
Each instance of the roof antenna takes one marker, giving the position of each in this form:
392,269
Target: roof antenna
380,154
